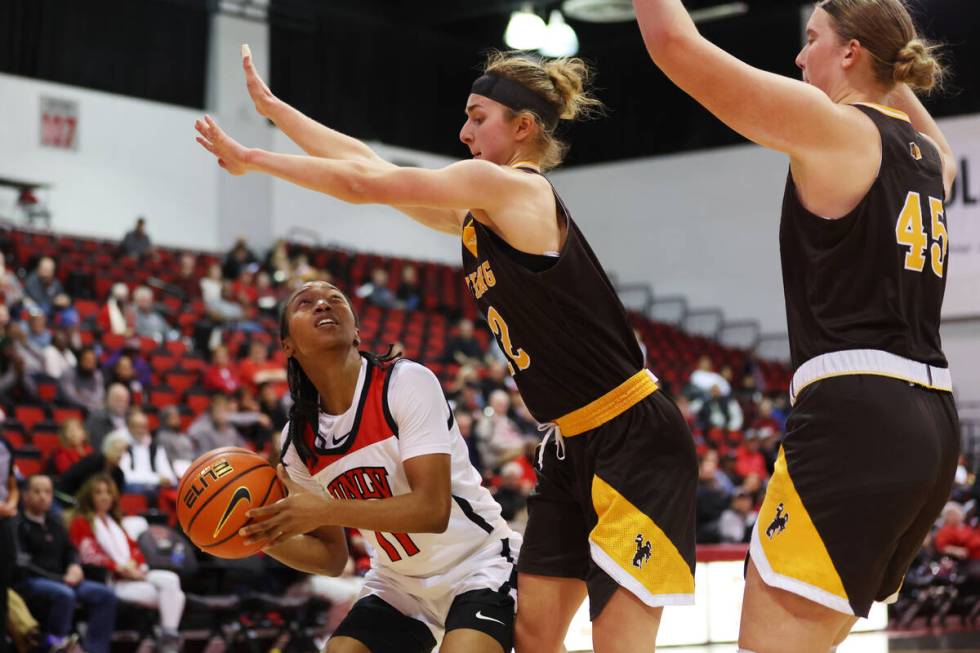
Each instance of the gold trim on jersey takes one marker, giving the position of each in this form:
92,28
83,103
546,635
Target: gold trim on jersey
469,238
526,164
888,111
610,405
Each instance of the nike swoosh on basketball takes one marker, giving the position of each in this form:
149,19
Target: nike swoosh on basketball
479,615
241,494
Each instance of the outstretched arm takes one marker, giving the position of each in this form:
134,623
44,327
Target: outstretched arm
465,185
318,140
774,111
904,99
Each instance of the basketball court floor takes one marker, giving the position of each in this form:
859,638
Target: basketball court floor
907,642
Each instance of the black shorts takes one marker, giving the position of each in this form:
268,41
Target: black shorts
864,470
618,511
383,629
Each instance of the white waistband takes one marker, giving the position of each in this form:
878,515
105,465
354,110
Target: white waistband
868,361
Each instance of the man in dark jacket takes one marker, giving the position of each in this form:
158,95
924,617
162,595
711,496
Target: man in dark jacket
53,579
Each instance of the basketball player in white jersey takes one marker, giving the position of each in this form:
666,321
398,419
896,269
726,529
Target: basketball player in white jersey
379,428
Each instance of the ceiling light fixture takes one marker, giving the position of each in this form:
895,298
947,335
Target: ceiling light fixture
560,40
526,30
718,12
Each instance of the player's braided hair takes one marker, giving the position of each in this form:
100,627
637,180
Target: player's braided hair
305,411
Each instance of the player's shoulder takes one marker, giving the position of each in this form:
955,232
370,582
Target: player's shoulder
405,371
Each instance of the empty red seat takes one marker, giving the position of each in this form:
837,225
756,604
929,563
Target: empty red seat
133,504
28,416
46,443
163,396
180,381
62,414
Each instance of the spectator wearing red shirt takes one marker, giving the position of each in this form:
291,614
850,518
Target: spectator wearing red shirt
73,445
748,459
955,538
222,376
103,543
258,369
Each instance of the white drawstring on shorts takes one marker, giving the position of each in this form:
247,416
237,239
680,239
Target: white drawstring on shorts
550,429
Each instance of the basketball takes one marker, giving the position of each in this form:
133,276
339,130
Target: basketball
216,492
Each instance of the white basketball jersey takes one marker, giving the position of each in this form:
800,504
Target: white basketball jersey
399,413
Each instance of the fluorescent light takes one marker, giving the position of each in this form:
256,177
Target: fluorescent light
719,11
560,39
525,31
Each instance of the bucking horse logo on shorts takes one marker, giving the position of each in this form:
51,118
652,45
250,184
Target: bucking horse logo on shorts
643,551
779,522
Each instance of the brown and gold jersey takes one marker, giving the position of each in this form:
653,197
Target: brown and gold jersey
557,318
875,278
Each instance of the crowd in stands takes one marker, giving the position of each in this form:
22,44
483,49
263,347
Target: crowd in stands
122,367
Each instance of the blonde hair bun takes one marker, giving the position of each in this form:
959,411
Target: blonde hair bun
916,66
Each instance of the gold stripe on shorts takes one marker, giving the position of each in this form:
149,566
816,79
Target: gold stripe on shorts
641,552
610,405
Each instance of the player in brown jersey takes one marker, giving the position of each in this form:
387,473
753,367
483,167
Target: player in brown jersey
872,440
613,513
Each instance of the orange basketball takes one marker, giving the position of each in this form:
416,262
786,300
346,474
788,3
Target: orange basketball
216,492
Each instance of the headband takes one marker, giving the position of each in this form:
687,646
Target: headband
516,96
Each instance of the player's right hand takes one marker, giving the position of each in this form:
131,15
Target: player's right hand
258,90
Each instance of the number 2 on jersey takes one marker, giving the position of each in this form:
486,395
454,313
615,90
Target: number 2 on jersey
910,232
518,357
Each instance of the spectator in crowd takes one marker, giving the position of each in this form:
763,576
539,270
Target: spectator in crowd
117,316
123,372
277,262
145,465
498,437
178,445
213,428
749,459
11,289
109,418
31,354
271,403
720,411
149,322
522,417
4,320
496,378
83,385
711,502
54,578
188,281
409,294
136,243
221,376
301,269
245,414
955,538
266,296
42,288
102,461
704,378
38,333
464,421
103,544
376,291
512,494
259,368
211,284
738,519
16,383
464,348
142,369
237,260
73,445
58,356
9,496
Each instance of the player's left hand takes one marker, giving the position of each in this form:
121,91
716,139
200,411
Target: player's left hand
232,155
298,513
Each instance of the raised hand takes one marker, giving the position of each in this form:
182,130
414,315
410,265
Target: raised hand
230,153
258,90
299,513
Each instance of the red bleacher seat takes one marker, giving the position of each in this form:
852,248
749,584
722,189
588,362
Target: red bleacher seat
14,436
133,504
176,348
28,416
47,389
45,443
162,396
28,461
162,363
197,400
180,381
61,414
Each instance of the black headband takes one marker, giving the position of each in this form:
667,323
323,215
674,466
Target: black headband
515,96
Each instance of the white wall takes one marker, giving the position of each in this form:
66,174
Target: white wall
133,157
370,228
704,225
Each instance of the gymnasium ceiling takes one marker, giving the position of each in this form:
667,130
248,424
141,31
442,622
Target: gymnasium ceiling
398,71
